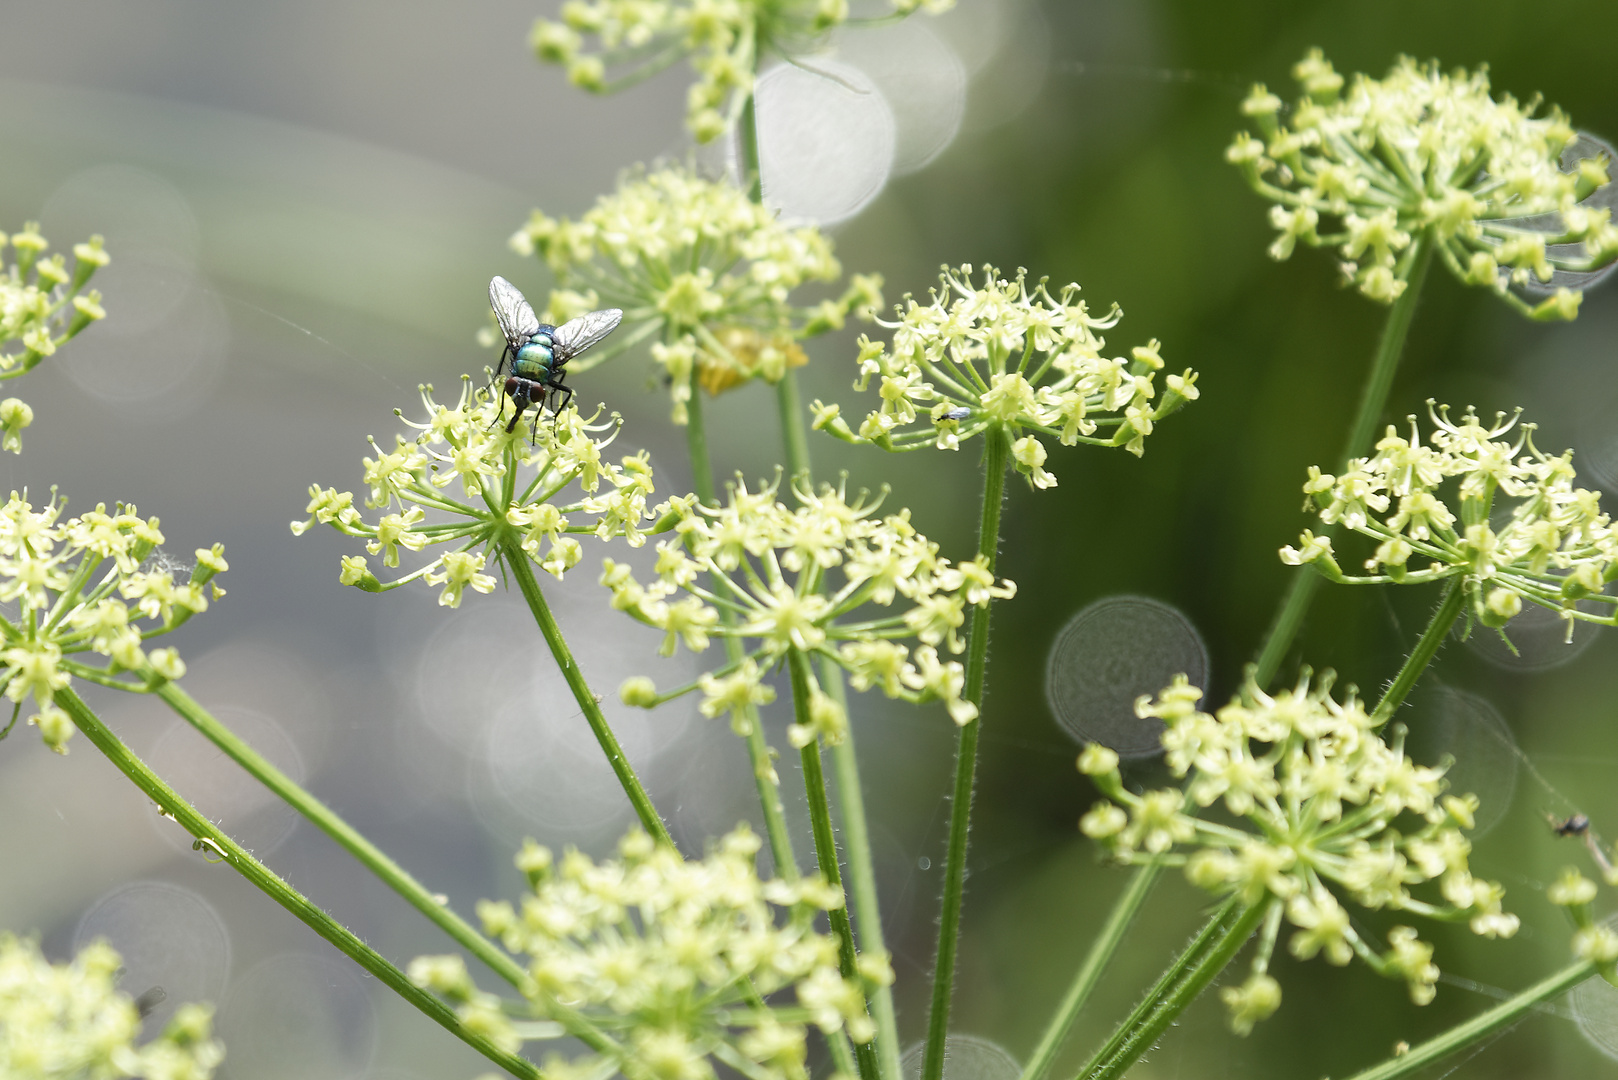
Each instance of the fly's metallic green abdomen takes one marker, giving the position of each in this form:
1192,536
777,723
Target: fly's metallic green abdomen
535,359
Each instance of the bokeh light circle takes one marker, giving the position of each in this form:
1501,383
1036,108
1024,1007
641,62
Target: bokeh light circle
1595,1010
826,140
1539,638
966,1057
923,81
299,1015
1442,720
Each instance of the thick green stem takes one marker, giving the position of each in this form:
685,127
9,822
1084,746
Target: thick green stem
794,437
996,456
1432,639
765,779
1481,1026
517,561
322,816
1089,973
1142,1036
240,860
814,784
1372,400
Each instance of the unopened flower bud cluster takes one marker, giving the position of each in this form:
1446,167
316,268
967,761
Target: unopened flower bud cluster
71,1020
1009,355
1366,171
462,481
1504,518
804,579
88,585
705,269
723,39
1327,811
663,964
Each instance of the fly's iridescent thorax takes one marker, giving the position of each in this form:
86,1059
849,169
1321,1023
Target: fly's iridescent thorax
534,359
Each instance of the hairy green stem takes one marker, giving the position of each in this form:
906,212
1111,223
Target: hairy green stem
328,822
814,783
996,456
1089,973
266,880
1481,1026
1432,639
1236,929
517,560
765,778
1289,620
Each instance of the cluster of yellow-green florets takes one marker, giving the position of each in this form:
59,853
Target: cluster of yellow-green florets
1501,516
462,481
42,305
1325,806
1419,152
802,579
724,39
1009,355
663,965
89,584
70,1020
706,270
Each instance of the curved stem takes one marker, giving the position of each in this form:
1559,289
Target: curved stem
517,560
996,456
322,816
814,783
240,860
1374,397
1089,973
1438,627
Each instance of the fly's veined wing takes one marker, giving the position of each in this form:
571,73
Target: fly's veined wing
576,335
516,315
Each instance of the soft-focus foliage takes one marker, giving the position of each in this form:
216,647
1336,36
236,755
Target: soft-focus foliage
1513,527
70,1022
1421,151
415,482
708,271
661,965
1324,806
1009,355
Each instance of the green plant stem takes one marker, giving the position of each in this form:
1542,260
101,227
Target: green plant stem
765,779
1089,973
266,880
1186,989
747,129
996,455
814,783
1481,1026
328,822
517,560
1432,639
794,438
1373,398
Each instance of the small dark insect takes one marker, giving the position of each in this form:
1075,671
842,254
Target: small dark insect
150,1000
1577,825
539,353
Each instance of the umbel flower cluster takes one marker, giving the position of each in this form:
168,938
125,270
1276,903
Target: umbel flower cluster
462,482
724,39
1369,170
90,584
42,305
1500,516
704,268
69,1020
662,965
804,579
1323,806
1004,354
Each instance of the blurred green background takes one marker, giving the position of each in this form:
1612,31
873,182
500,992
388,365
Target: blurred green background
304,203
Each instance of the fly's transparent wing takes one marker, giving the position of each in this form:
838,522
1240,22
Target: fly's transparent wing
576,335
516,315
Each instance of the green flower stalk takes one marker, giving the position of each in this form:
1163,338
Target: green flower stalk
707,271
70,1020
662,965
821,579
723,39
1326,810
1423,152
43,304
83,586
1006,356
1513,526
